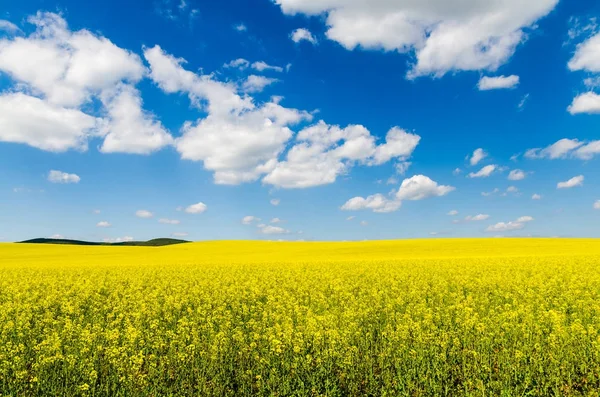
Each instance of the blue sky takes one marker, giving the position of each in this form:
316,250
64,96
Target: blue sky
299,119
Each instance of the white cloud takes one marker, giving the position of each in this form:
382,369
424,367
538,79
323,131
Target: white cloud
35,122
322,152
478,155
588,151
523,102
269,229
238,140
500,82
275,202
261,66
179,234
517,175
512,189
247,220
131,129
573,182
597,205
476,218
510,226
588,102
376,202
55,176
457,171
254,83
67,68
301,34
8,26
168,221
57,236
452,213
96,212
558,150
444,35
484,172
103,224
350,218
118,239
197,208
275,220
487,194
420,187
536,197
402,167
240,27
239,63
587,55
364,223
144,214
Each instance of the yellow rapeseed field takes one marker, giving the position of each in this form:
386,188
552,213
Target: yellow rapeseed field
448,317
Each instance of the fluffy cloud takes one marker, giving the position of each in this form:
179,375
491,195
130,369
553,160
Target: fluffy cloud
517,175
322,152
168,221
476,218
588,102
452,213
445,35
420,187
144,214
350,218
301,34
197,208
484,172
573,182
376,202
38,123
566,148
536,197
269,229
262,66
275,220
55,176
254,83
587,56
275,202
103,224
500,82
118,239
477,156
239,63
131,129
597,205
509,226
8,26
61,72
248,220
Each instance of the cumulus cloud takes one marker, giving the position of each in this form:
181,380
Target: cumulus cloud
55,176
509,226
57,74
103,224
262,66
484,172
500,82
452,213
254,83
168,221
302,34
197,208
597,205
275,220
483,35
573,182
8,26
118,239
420,187
275,202
517,175
270,229
587,55
566,148
476,218
376,203
248,220
477,156
239,63
536,196
588,102
144,214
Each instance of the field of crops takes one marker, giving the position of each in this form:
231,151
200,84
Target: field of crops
489,317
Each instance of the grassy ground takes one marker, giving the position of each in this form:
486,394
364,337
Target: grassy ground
482,317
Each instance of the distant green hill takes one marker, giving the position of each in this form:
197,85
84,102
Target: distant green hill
157,242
